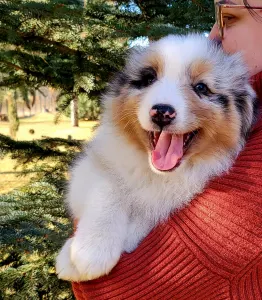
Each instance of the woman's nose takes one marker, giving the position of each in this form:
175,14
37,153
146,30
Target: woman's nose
214,33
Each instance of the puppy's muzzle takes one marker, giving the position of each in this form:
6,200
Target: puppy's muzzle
162,114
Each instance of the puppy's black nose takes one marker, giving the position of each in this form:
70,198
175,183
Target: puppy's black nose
162,114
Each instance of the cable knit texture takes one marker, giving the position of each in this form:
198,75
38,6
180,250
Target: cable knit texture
211,250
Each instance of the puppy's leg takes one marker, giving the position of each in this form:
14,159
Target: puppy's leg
64,267
98,243
99,239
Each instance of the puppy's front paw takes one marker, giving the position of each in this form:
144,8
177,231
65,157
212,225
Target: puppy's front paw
94,259
64,268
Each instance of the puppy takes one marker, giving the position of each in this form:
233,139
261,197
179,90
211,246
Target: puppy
176,116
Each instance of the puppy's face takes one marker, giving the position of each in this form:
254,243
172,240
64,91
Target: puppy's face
182,100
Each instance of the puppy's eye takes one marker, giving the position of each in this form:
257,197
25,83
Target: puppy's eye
201,89
147,77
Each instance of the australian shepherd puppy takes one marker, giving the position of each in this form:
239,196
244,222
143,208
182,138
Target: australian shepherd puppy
176,116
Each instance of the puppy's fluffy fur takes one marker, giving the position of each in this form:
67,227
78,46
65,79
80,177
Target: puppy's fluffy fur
116,192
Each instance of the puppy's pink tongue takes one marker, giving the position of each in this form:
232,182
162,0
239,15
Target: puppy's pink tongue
168,151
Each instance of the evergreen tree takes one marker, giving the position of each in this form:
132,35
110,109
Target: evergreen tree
75,46
33,221
61,44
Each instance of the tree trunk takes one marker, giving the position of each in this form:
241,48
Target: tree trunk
12,114
74,111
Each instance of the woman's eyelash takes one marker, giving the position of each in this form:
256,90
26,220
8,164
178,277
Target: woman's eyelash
228,17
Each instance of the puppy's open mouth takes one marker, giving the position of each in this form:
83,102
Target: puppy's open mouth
168,149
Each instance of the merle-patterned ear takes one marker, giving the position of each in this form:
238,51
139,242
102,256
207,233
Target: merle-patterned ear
256,110
247,106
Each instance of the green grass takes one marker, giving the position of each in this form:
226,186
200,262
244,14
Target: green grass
43,126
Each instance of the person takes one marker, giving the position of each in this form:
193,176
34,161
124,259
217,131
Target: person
212,249
239,28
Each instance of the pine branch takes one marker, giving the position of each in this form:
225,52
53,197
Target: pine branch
33,151
31,37
33,226
12,65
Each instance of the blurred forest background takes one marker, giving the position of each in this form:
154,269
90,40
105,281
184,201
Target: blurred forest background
56,57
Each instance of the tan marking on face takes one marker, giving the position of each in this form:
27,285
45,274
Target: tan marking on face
219,130
225,136
125,117
199,69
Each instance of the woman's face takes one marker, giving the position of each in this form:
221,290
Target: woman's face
243,32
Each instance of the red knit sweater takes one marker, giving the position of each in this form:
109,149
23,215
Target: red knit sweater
212,249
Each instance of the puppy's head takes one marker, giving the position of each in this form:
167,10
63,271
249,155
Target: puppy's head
181,100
